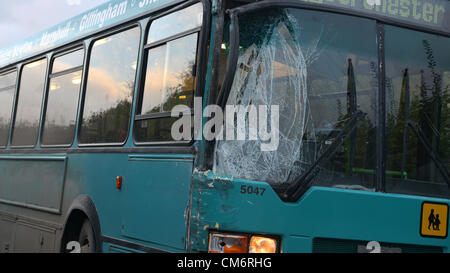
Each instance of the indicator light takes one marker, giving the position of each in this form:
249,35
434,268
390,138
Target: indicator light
227,243
119,182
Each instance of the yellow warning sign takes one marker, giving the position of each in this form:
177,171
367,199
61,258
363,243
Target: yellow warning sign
434,221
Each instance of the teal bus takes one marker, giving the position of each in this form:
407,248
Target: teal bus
89,161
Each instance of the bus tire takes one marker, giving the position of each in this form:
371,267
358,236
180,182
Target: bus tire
86,238
80,211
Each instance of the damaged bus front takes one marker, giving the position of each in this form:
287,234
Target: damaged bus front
363,130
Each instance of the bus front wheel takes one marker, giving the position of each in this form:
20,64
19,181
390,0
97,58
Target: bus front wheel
86,238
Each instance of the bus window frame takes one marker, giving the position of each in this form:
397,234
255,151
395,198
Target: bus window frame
200,66
90,46
16,101
160,115
6,72
65,51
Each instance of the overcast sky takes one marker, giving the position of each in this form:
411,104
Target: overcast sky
22,18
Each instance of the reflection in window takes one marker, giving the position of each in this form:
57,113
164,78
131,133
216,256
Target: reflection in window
68,61
308,64
175,23
62,101
156,130
29,102
7,88
418,121
8,79
169,75
109,91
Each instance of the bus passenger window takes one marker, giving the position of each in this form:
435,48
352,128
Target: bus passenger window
176,23
170,73
68,61
62,99
7,88
29,102
170,82
109,90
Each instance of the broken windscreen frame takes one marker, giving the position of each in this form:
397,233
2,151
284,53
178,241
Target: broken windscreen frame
307,65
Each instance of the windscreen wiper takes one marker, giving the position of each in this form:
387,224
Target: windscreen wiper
428,147
302,182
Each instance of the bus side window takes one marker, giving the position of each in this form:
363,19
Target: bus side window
29,103
171,58
109,89
62,99
7,88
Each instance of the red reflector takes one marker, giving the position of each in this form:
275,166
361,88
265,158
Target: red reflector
119,182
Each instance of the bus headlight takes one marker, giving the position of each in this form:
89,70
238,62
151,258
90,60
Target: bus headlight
241,243
260,244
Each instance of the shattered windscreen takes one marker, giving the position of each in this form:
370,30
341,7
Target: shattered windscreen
319,69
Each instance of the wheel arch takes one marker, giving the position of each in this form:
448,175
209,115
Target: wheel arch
81,208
